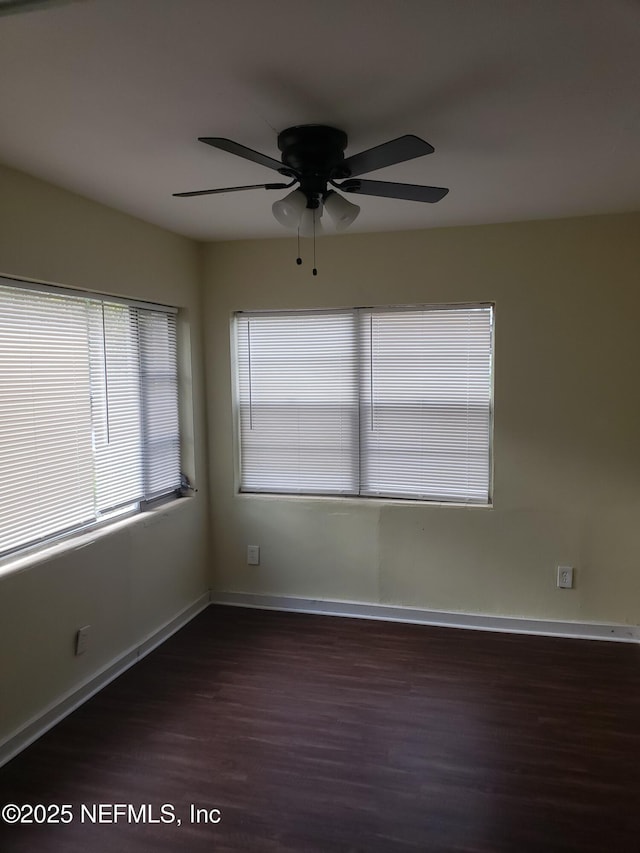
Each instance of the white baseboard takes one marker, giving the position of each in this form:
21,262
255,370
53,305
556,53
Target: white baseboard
67,703
392,613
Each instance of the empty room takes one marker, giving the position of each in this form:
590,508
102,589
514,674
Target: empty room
319,418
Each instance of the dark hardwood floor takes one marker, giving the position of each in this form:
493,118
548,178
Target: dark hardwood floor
314,733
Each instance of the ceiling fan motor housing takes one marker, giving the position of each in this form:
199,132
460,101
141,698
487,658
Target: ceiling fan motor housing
314,153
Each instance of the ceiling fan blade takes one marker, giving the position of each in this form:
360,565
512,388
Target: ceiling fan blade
9,7
241,151
235,189
386,189
388,154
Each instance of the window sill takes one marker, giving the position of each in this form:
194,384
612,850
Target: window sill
26,560
361,501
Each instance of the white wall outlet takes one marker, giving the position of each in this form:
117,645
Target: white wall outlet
82,639
565,577
253,555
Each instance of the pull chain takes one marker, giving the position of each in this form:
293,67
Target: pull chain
299,259
315,271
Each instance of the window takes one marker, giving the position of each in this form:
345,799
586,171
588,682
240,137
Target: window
377,402
88,410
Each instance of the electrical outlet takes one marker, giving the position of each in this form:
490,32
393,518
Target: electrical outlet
82,639
565,577
253,555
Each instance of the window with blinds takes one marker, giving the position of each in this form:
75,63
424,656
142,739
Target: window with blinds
88,410
378,402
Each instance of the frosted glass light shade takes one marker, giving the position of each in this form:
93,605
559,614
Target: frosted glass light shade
307,219
341,211
288,210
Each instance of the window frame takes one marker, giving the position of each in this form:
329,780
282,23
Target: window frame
359,496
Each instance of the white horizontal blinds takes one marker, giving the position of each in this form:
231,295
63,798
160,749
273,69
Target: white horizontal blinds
426,403
46,457
159,389
116,404
88,410
297,392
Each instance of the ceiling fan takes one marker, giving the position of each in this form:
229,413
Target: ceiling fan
313,157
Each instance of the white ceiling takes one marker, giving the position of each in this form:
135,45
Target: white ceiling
532,105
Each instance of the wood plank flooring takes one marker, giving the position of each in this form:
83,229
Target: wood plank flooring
313,734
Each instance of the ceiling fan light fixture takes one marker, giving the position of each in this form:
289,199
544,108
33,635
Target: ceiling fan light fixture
289,210
341,211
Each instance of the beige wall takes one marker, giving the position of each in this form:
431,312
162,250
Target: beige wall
129,582
566,435
567,422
